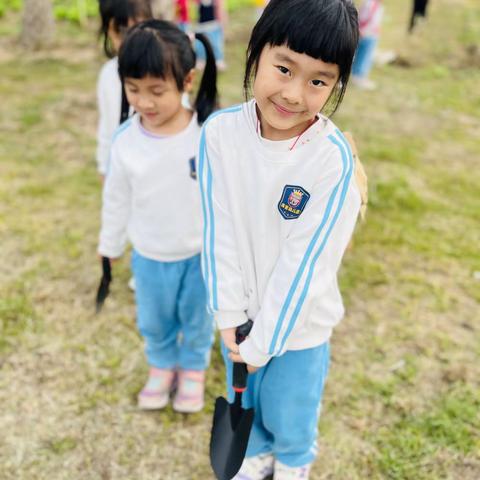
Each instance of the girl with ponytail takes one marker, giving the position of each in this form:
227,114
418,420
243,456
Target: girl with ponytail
151,198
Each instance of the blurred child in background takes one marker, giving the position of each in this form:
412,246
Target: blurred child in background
116,17
151,197
212,18
419,11
369,17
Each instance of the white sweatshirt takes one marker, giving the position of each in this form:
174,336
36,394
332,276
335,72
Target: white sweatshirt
277,223
151,195
109,100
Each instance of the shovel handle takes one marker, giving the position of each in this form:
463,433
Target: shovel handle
241,333
240,372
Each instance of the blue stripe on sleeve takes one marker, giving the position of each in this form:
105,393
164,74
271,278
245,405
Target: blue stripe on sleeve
212,237
301,269
209,265
201,162
346,181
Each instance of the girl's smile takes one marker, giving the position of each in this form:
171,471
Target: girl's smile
283,110
290,89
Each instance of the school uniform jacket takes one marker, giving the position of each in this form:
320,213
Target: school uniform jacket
109,100
151,195
276,225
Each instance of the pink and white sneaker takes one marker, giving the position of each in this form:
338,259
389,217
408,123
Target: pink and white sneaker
256,468
190,391
284,472
156,392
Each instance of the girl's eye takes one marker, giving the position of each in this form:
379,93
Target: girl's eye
283,70
158,93
318,83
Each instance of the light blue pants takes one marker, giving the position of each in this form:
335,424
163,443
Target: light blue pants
171,312
363,61
215,35
286,395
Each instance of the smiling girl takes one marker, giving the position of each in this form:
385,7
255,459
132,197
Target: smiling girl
151,197
280,205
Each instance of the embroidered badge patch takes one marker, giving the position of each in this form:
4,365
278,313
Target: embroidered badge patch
293,201
193,170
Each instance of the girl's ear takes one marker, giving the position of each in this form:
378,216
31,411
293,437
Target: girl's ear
114,35
189,80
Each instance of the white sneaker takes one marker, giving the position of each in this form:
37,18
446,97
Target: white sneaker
283,472
256,468
384,57
363,83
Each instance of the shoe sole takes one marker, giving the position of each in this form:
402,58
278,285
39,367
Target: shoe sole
180,409
152,404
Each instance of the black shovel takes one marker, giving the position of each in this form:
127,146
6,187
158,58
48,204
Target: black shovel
104,287
231,423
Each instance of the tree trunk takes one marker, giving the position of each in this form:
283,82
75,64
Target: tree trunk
38,25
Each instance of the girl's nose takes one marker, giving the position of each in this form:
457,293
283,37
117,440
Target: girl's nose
292,93
144,102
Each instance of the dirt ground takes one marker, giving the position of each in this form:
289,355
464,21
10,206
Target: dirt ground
403,397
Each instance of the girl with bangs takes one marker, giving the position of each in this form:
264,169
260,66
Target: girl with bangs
117,16
151,197
280,204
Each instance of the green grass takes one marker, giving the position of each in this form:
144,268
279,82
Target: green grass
402,400
413,447
78,11
17,315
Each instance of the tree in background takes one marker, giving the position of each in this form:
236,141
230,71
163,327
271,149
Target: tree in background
38,25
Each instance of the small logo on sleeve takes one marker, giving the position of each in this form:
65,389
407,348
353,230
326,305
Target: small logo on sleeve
193,168
293,201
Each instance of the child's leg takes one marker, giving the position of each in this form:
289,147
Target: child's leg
157,286
362,63
216,38
214,32
290,397
195,322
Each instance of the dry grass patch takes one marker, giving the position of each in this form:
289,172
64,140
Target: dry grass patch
402,399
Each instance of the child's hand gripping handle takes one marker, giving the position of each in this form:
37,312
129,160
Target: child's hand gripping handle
240,372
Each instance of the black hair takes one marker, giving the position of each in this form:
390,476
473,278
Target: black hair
323,29
160,49
120,11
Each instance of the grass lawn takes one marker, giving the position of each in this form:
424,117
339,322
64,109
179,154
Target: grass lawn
403,397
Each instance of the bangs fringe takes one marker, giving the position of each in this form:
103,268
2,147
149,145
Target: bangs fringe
143,55
326,30
324,36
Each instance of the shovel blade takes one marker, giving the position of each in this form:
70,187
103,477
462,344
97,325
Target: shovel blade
102,294
104,287
228,443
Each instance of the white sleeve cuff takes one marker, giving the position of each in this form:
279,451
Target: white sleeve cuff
230,319
252,355
110,252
